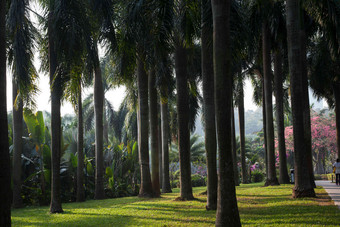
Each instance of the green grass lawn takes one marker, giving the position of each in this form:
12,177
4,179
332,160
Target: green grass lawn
258,206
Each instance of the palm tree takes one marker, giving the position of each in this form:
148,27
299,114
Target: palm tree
74,95
209,104
267,76
146,187
303,187
17,148
103,11
165,146
236,175
56,93
278,78
181,40
240,105
136,35
227,210
5,178
21,38
80,166
279,33
183,119
153,115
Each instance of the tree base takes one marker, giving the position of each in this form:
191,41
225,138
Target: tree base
99,194
166,190
145,195
302,193
56,209
211,207
185,198
271,182
157,195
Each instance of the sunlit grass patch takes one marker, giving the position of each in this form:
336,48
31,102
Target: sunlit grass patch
258,206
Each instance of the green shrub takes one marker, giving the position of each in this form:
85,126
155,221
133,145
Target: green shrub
198,180
174,184
257,176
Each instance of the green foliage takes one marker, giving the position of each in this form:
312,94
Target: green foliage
198,180
197,150
257,176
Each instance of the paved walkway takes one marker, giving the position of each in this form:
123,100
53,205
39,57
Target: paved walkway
332,189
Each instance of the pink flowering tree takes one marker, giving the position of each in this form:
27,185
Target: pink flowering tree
323,141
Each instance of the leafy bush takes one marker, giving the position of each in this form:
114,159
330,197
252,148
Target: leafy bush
257,176
198,180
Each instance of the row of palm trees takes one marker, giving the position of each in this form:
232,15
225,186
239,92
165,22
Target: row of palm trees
144,37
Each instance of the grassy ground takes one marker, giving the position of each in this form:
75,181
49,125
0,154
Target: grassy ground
257,205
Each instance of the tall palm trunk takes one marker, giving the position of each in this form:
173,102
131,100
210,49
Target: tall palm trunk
153,115
106,126
336,92
303,187
264,121
227,211
242,133
143,130
271,177
284,178
80,167
160,155
165,147
99,130
306,108
55,84
183,121
5,172
233,132
17,150
209,104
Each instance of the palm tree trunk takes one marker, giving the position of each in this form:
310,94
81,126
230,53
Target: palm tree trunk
227,211
271,177
284,178
242,134
336,92
98,112
303,187
17,150
143,130
55,84
153,115
209,104
306,111
5,176
183,121
80,167
233,132
264,121
160,155
166,188
106,126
